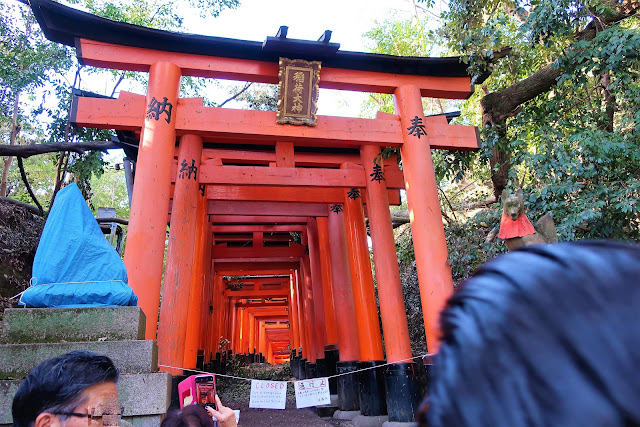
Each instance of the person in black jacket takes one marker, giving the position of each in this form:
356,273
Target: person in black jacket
548,335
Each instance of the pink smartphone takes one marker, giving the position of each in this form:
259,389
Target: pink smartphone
198,389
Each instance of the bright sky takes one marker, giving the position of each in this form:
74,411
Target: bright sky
307,20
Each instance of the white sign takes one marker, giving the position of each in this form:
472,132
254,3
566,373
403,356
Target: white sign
313,392
268,394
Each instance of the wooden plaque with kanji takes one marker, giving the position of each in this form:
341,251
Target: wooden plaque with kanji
298,91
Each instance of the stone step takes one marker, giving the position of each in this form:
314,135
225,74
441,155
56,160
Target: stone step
145,398
40,325
132,357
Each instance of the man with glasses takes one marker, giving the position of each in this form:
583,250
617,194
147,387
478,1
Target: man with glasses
75,389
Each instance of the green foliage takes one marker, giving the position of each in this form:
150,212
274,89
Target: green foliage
39,170
575,147
110,190
589,175
263,97
27,59
42,72
84,167
402,38
467,244
280,372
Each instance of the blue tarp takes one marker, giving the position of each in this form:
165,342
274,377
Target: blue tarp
75,265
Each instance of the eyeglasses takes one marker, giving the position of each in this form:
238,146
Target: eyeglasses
97,416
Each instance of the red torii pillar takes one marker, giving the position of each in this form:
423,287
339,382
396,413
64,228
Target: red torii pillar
262,339
252,332
245,331
364,298
237,331
234,324
348,346
309,309
327,279
429,243
316,284
304,346
218,309
172,330
228,313
392,309
371,389
197,286
293,311
144,253
205,320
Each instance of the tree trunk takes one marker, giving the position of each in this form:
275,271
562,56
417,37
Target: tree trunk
500,161
35,149
499,106
15,129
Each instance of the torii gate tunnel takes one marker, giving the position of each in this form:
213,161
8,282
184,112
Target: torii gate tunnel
235,186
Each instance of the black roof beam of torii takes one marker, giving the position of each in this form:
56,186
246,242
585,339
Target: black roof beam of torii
67,25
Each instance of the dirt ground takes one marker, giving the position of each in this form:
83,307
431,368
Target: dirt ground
235,394
290,416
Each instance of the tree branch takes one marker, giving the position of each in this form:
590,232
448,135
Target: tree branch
399,217
499,106
35,149
244,89
118,83
23,174
24,205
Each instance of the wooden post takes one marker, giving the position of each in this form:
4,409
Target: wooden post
392,310
172,329
364,297
146,234
342,290
429,243
327,279
196,307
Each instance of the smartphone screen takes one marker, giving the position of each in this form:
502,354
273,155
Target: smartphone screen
206,390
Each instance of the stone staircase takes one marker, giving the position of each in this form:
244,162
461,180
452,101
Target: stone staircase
32,335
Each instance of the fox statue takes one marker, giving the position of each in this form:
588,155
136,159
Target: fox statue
515,227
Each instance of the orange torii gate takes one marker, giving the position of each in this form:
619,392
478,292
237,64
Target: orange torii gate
280,187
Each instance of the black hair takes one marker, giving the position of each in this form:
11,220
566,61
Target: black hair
189,416
56,385
545,335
